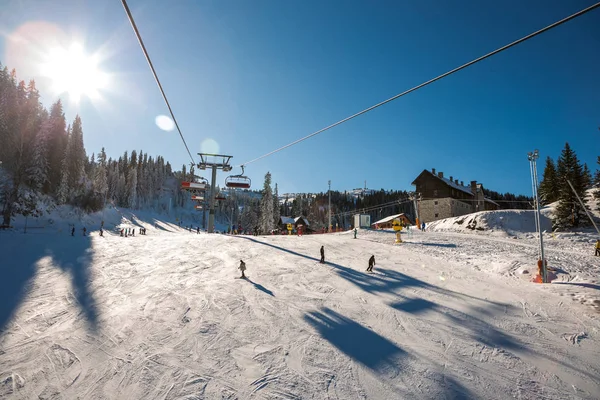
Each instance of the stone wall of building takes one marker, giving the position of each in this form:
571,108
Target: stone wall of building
447,207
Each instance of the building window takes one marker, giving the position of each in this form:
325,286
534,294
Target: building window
436,215
435,203
435,193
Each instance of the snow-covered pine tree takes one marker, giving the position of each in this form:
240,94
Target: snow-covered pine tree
569,212
549,185
132,183
587,177
100,175
276,209
76,157
266,207
63,188
121,192
57,144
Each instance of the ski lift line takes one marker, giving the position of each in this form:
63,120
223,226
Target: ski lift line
372,208
139,38
505,47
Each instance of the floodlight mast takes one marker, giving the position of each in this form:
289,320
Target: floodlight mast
532,157
225,166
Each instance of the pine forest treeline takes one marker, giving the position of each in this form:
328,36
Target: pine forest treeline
42,155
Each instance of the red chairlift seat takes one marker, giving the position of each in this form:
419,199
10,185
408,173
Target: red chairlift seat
238,181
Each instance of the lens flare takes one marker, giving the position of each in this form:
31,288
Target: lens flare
210,146
165,123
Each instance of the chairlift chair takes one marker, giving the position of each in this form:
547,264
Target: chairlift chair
238,181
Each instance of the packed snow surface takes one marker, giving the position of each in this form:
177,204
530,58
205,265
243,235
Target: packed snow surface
498,223
163,316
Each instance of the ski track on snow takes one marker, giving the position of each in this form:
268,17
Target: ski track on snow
162,317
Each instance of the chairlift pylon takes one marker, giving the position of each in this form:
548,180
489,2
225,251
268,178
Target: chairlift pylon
238,181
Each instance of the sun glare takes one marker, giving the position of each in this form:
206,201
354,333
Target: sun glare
72,71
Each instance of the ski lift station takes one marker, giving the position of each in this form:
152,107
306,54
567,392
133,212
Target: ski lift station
362,221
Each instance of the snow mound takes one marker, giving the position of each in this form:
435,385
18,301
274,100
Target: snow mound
501,223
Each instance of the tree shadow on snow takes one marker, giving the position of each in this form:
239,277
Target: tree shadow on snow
448,245
386,280
357,342
260,287
71,254
381,355
582,284
468,325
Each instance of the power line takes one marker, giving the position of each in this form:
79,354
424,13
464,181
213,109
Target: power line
516,42
139,37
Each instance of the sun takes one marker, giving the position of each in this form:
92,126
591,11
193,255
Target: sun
72,71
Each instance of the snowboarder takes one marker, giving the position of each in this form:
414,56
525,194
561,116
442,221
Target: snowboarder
197,230
423,226
355,231
371,263
598,247
133,232
322,255
101,232
84,231
242,268
73,231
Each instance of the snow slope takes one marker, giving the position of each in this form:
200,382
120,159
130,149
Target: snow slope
498,223
163,316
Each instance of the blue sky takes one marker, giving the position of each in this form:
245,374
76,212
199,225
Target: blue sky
256,75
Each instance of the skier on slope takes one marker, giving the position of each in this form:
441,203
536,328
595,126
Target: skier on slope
322,255
242,268
73,231
355,232
371,263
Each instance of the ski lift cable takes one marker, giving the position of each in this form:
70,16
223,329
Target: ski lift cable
139,38
505,47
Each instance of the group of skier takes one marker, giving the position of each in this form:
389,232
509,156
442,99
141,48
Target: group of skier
242,266
131,232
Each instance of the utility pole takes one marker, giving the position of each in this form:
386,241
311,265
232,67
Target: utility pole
329,183
532,157
224,165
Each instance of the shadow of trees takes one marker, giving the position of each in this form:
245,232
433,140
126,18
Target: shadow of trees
70,254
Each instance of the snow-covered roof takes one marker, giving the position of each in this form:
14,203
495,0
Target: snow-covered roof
454,185
387,219
491,201
303,219
287,220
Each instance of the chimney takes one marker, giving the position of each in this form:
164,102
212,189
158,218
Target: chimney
462,183
474,187
440,174
433,171
451,179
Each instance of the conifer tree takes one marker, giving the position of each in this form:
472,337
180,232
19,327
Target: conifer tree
276,209
266,207
569,212
549,185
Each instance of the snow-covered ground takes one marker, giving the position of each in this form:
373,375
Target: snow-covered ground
445,315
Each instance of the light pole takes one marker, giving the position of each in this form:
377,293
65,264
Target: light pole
329,191
532,157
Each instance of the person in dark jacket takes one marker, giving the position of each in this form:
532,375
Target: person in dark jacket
73,231
322,255
371,263
242,268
